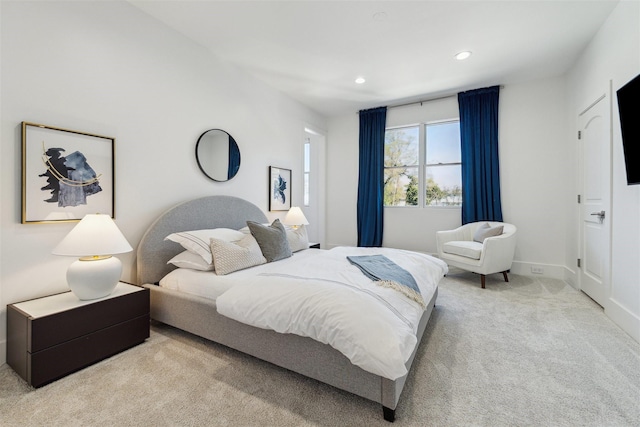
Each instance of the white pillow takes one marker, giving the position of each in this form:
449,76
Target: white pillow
485,231
298,239
233,256
199,241
190,260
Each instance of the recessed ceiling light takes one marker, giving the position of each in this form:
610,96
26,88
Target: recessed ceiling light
463,55
360,80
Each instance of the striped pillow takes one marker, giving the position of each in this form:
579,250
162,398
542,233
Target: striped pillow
199,241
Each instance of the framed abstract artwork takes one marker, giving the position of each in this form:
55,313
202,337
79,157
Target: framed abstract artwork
279,189
65,174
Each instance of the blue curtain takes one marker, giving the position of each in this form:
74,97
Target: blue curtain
480,163
371,177
234,159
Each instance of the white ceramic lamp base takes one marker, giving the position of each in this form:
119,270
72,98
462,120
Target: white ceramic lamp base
92,278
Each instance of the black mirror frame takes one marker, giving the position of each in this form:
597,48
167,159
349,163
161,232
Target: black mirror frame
202,169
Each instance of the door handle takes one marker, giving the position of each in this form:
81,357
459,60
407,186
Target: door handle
600,215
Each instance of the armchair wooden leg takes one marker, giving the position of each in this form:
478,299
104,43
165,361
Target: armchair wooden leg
506,278
482,280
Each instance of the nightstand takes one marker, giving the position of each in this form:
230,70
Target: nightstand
50,337
314,245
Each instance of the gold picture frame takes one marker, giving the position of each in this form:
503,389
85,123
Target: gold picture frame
66,174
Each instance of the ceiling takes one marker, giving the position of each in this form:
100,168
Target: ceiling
314,50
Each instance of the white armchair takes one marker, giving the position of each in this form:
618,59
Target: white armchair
494,255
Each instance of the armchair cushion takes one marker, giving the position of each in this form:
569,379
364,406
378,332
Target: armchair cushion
485,230
465,248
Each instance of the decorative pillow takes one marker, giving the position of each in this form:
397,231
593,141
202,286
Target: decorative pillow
233,256
272,240
190,260
197,241
246,230
298,238
485,230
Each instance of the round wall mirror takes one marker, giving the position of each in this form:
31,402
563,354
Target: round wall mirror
218,155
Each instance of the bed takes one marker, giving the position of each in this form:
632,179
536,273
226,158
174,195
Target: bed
199,315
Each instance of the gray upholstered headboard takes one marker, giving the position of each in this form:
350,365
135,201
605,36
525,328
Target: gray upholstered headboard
203,213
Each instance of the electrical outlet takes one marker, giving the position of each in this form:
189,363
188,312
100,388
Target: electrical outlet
537,269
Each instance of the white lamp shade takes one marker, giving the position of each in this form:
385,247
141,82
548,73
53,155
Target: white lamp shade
94,235
295,217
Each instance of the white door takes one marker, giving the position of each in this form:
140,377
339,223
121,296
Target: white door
594,125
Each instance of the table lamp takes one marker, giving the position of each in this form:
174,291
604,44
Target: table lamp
94,239
295,218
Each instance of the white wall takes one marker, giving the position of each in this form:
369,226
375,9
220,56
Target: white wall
109,69
614,55
342,180
536,172
534,180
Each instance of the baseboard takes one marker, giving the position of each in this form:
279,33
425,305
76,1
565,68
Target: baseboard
626,320
543,270
571,277
553,271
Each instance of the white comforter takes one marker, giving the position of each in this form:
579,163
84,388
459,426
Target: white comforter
328,299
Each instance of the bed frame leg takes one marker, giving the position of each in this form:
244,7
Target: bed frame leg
389,414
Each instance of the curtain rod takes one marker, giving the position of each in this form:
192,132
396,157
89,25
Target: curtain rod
422,101
427,100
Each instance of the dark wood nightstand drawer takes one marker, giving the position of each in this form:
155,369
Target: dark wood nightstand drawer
62,327
53,363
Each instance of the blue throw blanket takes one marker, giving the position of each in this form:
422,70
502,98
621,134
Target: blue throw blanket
387,273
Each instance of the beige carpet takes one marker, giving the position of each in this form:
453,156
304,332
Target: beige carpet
532,352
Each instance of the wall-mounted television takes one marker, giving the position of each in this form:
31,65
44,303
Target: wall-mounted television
629,108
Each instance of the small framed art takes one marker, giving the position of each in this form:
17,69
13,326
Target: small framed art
279,189
65,174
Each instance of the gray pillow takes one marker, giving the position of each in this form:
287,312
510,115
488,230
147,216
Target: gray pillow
485,230
272,240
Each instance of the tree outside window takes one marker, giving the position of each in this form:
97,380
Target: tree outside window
443,167
401,166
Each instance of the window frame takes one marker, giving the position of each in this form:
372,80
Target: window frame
422,163
306,172
417,166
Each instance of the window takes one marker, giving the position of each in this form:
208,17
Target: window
401,166
422,165
306,169
443,166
